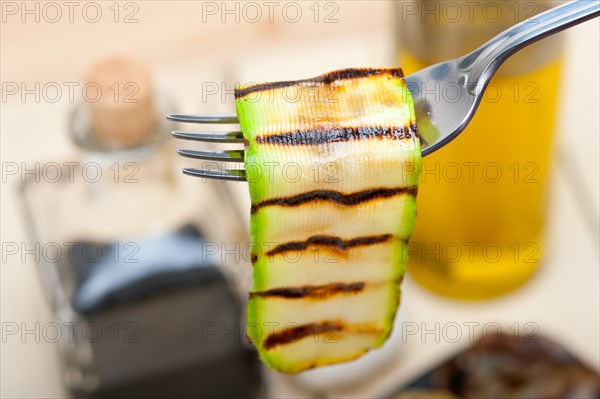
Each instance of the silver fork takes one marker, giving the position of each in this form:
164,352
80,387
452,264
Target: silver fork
439,122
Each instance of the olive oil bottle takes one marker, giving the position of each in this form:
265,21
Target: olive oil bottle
482,197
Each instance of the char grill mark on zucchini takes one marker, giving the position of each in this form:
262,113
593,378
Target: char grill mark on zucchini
294,334
326,79
317,292
314,330
329,241
322,136
337,197
328,254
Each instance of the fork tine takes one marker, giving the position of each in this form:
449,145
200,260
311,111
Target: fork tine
230,175
215,118
221,137
230,137
227,156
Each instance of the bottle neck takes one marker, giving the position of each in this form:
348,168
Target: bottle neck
434,31
127,190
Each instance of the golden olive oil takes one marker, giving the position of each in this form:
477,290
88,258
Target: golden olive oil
481,200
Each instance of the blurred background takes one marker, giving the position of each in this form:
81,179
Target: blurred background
122,277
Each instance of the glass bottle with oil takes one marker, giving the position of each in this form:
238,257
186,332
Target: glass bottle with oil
482,197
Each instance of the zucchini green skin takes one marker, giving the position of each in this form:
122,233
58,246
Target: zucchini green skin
333,173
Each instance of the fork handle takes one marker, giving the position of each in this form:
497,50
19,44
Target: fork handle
480,65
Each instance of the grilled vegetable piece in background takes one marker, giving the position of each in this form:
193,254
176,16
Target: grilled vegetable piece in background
333,165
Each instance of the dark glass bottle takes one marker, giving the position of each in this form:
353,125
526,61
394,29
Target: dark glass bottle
146,310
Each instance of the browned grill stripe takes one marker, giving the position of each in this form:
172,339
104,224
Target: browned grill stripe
326,79
312,291
335,196
290,335
323,136
329,241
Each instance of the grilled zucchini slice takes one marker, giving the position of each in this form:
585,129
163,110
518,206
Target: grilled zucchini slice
333,166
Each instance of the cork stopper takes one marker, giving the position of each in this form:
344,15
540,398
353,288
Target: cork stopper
122,113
